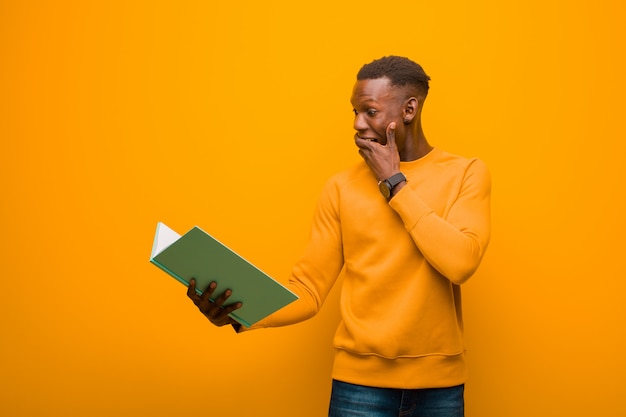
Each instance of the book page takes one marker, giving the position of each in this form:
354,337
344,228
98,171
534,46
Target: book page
163,238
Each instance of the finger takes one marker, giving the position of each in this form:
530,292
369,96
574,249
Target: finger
391,134
211,307
191,289
228,309
206,295
360,143
217,312
364,143
221,316
222,298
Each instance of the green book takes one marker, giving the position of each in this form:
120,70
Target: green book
198,255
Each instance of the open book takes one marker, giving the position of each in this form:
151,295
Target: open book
198,255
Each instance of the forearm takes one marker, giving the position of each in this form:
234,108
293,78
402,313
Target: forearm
455,244
455,253
311,294
314,275
300,310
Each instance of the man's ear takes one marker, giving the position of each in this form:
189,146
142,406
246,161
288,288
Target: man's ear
410,109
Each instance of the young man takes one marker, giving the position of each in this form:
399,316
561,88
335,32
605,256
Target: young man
408,226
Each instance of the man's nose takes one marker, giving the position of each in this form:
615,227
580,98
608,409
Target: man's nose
359,123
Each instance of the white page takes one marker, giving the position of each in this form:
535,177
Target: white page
163,238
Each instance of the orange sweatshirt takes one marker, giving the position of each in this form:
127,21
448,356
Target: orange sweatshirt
402,263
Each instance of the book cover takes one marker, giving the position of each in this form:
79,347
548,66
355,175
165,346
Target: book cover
198,255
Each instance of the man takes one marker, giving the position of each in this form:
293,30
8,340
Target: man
406,227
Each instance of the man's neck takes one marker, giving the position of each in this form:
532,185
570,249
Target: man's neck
416,146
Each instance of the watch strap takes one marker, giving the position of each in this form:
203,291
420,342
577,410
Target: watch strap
395,180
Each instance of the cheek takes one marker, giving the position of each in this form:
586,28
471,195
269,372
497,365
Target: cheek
401,137
380,127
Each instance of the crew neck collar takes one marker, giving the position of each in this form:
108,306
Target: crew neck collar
420,161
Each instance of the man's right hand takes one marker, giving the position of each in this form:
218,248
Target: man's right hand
215,311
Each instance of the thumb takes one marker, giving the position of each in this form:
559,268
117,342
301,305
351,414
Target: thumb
391,133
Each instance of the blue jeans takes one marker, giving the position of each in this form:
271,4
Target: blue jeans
348,400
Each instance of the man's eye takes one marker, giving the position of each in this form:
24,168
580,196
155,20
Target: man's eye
372,112
355,112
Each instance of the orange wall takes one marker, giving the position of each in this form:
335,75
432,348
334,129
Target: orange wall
231,116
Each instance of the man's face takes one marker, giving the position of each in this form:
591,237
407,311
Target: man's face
376,104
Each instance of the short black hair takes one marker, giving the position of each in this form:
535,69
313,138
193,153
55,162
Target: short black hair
401,72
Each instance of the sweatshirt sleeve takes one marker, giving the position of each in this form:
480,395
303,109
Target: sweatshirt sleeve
454,246
315,273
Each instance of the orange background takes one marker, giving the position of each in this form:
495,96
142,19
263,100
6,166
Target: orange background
231,115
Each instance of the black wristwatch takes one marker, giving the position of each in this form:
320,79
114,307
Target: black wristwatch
387,186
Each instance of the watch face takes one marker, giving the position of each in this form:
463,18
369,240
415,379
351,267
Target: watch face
384,188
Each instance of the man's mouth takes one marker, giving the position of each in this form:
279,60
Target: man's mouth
369,139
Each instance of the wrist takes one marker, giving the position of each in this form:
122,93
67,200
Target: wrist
390,186
397,189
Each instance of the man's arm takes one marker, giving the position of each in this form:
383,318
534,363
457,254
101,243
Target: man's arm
311,280
317,270
454,246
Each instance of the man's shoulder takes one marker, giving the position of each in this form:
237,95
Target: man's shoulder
448,159
357,172
353,177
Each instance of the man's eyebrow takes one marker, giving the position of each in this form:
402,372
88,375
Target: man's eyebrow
369,100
